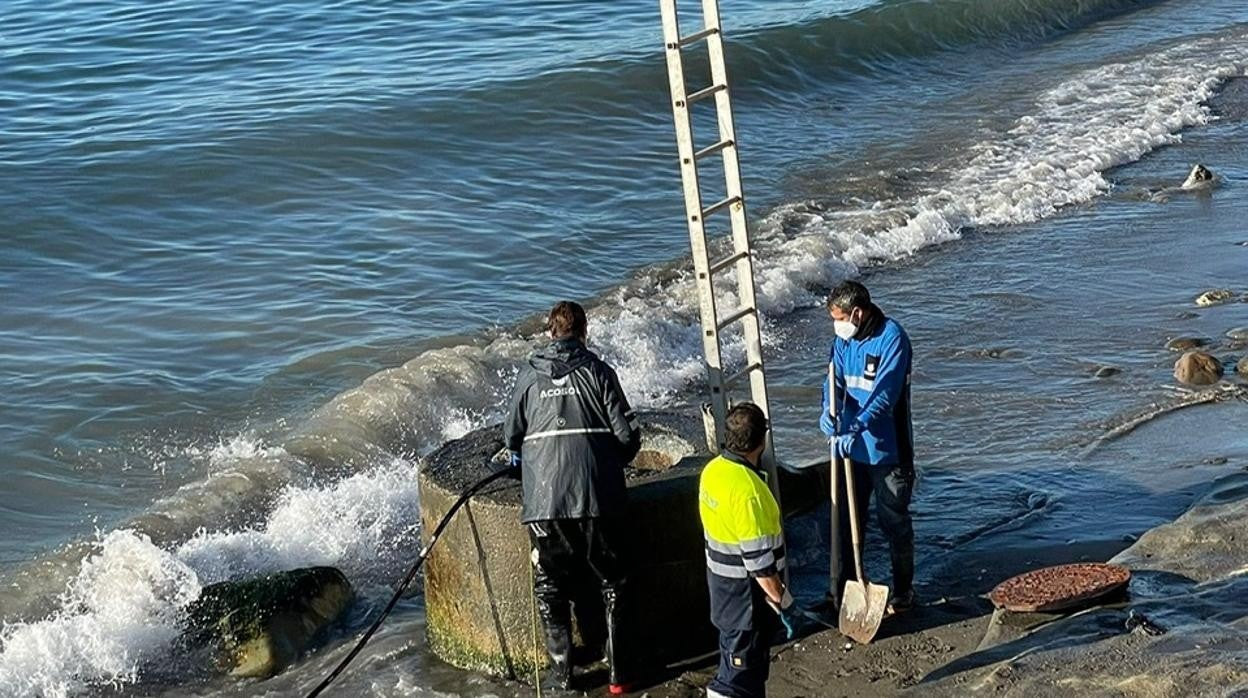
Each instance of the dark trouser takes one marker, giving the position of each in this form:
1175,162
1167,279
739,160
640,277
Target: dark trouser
891,487
576,564
745,659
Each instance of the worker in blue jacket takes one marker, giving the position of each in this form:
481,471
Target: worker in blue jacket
871,361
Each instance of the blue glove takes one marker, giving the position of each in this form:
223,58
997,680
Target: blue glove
791,621
845,444
513,465
789,617
827,425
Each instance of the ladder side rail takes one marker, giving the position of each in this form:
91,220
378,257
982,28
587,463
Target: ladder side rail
750,324
693,214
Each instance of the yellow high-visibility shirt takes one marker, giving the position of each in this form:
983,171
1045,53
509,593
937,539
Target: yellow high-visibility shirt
744,538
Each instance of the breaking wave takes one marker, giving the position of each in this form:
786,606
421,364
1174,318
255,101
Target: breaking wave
121,614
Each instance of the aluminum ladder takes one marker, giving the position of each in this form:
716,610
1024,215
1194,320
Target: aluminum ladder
739,262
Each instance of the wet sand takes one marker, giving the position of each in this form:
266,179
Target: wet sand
1188,581
909,646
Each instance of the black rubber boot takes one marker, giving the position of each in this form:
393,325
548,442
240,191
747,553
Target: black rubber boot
617,683
557,629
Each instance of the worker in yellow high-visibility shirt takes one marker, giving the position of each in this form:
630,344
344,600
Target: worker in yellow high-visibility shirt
744,557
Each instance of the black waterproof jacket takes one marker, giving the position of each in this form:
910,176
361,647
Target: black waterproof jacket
575,432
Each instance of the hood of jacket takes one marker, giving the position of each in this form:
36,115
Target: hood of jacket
560,357
875,320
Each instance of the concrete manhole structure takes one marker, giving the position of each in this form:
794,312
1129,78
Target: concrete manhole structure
478,584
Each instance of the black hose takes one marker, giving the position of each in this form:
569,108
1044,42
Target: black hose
411,574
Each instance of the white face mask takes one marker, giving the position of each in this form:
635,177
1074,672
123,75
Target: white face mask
844,329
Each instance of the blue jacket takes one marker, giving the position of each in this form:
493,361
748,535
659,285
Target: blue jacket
872,372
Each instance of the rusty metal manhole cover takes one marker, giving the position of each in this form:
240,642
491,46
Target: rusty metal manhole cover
1056,588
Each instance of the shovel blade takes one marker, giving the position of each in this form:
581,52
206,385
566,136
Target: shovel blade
862,610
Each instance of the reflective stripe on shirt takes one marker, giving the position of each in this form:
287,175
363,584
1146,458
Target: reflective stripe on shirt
859,382
566,432
739,571
730,571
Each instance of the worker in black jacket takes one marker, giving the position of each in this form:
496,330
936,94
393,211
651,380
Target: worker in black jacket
571,432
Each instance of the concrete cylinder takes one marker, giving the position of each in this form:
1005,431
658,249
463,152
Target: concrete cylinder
478,579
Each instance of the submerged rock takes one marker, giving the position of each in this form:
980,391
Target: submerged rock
261,625
1239,334
1198,368
1214,297
1186,343
1107,371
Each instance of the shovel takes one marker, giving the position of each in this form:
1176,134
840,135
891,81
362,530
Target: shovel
862,604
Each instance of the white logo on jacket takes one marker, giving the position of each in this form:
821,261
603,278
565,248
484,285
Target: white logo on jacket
558,392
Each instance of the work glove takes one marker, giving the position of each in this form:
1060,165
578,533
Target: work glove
792,623
827,424
844,444
789,617
513,465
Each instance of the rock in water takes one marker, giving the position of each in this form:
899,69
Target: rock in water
1198,368
1215,297
1186,343
1242,367
261,625
1198,178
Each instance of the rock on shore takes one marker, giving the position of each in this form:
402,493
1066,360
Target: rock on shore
259,626
1198,368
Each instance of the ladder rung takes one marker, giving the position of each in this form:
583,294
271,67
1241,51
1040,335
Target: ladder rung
728,261
734,317
698,36
741,374
704,93
716,207
712,149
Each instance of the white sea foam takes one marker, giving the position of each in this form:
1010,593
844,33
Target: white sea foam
363,525
1052,158
121,610
121,613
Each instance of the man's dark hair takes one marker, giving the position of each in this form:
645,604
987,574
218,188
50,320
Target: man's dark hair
849,295
745,428
567,319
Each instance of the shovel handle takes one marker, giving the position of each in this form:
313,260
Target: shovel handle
834,475
853,517
834,529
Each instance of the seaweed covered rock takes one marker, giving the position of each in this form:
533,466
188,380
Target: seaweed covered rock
259,626
1213,297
